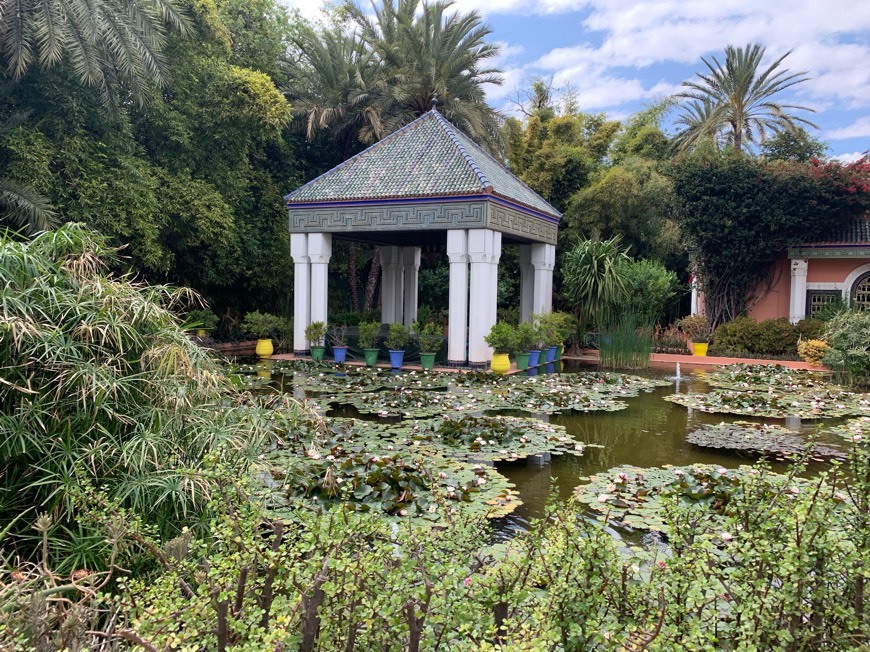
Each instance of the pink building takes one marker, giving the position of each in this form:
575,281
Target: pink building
813,274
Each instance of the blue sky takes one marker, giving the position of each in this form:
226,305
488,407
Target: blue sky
620,55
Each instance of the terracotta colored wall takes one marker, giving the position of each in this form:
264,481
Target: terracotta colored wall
774,299
774,302
832,271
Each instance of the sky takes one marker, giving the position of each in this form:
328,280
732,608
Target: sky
621,55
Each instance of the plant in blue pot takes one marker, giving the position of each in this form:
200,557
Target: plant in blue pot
396,342
338,337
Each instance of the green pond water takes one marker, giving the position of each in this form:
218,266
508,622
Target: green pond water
649,432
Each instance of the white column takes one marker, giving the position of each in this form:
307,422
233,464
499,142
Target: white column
457,324
483,297
695,310
388,284
527,280
399,284
543,260
798,296
301,290
319,253
494,258
411,259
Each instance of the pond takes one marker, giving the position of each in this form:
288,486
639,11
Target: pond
649,431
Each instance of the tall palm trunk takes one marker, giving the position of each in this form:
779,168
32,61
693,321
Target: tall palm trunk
352,281
372,284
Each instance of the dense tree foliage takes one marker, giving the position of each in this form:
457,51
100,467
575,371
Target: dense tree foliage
192,182
740,214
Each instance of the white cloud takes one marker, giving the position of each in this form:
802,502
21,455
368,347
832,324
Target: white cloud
858,129
310,9
848,158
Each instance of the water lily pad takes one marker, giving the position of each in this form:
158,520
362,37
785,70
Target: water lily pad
855,431
764,377
811,404
633,497
756,438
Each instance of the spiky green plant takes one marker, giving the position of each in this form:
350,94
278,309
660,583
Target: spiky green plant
99,385
594,279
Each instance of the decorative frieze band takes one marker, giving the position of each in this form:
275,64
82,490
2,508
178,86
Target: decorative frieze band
833,252
422,217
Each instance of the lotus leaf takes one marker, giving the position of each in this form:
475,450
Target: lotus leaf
811,404
756,438
634,497
763,377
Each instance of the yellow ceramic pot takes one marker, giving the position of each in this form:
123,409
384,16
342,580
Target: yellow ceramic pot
700,349
501,363
264,348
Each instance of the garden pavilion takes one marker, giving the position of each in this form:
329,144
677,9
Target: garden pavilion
427,185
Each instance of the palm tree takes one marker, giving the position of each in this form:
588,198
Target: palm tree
733,101
431,56
105,41
342,92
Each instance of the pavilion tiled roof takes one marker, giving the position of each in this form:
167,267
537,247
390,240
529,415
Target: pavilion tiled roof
428,157
854,232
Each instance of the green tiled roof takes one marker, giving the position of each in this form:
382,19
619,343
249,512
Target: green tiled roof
855,232
426,158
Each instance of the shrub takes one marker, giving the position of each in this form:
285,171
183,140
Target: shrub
204,318
369,333
429,336
848,336
669,340
694,326
737,336
527,337
502,337
812,351
775,336
315,332
398,337
809,328
650,290
263,325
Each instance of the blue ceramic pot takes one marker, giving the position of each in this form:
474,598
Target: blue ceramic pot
396,358
551,354
533,358
340,353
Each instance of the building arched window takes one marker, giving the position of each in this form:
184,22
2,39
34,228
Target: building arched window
860,293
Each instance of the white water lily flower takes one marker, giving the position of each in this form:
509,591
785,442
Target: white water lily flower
726,537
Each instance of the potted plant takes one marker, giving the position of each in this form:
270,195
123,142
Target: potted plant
314,333
369,332
537,343
263,326
429,338
203,321
549,329
396,342
503,339
526,340
696,328
338,336
565,324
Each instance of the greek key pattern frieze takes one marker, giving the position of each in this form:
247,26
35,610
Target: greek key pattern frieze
389,218
841,252
514,222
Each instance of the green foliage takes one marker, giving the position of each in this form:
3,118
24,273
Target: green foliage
812,351
810,328
740,214
739,335
795,145
554,327
263,325
594,279
204,318
102,386
502,337
776,336
695,326
848,336
315,332
627,344
369,334
429,336
398,337
527,337
758,439
650,291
